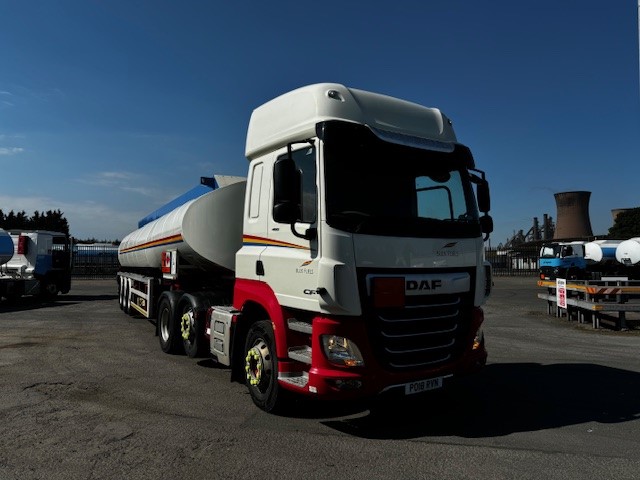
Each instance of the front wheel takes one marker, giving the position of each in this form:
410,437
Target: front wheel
261,367
49,289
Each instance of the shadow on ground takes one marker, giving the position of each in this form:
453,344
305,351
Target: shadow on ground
33,302
504,399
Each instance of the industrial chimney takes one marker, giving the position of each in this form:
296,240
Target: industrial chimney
572,220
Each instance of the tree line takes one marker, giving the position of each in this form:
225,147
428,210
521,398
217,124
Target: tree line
626,225
52,220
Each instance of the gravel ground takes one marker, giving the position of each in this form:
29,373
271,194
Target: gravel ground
86,393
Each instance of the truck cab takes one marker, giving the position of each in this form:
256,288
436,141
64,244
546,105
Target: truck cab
562,260
40,265
362,247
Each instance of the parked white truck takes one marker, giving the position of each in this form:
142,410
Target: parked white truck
349,264
34,263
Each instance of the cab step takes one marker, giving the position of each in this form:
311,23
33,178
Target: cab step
299,326
301,354
299,380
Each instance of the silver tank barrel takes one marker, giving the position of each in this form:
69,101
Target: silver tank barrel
206,231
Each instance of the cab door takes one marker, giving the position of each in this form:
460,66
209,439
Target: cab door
290,261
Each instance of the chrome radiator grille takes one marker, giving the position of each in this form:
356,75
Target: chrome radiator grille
429,331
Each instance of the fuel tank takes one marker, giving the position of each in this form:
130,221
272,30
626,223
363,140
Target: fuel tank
206,231
6,247
601,251
628,252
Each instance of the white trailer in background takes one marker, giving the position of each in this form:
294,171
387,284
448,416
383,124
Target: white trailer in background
39,264
6,247
349,264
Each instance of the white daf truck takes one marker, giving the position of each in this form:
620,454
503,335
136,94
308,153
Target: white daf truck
349,263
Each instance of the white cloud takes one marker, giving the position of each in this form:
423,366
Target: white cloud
115,175
147,192
4,137
7,151
126,181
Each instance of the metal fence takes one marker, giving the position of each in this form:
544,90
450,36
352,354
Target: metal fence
95,261
515,262
101,261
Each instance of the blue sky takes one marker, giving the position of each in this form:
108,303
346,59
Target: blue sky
108,109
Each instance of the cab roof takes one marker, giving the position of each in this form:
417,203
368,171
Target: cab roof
293,117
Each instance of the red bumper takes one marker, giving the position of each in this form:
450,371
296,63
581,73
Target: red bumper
330,381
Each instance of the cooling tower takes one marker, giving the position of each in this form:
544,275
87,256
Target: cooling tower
617,211
572,220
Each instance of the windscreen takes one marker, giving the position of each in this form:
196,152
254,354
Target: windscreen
550,251
380,188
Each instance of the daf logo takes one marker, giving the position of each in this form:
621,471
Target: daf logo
415,285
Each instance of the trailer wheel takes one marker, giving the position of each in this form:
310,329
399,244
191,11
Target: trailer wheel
167,326
191,313
261,367
126,299
121,292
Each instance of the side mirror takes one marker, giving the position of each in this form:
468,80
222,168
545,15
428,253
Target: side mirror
287,195
285,212
484,197
486,225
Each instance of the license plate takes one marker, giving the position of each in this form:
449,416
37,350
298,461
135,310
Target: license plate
423,386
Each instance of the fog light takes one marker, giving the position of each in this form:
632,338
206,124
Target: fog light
478,341
348,384
342,351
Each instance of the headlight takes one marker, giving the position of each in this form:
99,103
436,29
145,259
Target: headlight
342,351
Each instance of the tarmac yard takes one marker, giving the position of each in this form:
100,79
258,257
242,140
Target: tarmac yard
86,393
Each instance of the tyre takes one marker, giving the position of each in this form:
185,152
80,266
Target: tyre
126,299
167,326
190,315
261,367
48,289
121,292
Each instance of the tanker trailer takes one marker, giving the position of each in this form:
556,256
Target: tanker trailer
186,254
600,257
6,247
601,251
628,252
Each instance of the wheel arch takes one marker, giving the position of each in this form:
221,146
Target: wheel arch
257,298
194,300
